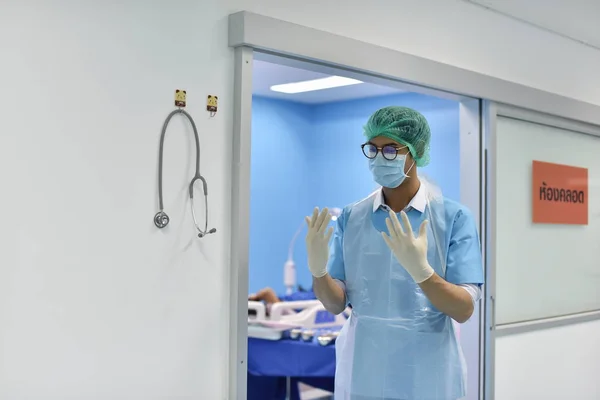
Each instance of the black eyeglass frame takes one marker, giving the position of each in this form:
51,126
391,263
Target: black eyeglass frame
380,150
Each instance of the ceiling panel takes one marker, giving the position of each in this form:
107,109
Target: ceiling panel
577,19
267,74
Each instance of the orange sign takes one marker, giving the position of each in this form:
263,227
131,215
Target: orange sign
560,194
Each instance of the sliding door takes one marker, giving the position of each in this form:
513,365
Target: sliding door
543,269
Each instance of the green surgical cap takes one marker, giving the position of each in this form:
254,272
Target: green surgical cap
403,125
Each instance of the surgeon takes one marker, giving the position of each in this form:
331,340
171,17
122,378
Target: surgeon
408,262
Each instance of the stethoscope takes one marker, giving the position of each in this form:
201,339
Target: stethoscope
161,219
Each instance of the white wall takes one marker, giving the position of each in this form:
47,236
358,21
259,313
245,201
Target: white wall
553,364
95,302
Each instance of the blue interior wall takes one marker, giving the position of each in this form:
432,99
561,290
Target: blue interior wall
305,156
279,175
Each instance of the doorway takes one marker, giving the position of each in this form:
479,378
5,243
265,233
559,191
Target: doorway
302,150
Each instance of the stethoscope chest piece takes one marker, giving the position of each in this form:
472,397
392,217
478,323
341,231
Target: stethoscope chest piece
161,219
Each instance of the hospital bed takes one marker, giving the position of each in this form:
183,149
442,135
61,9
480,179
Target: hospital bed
299,317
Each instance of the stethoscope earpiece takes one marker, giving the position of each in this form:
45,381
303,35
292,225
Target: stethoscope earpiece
202,234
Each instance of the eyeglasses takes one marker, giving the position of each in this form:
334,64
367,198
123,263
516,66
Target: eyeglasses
389,152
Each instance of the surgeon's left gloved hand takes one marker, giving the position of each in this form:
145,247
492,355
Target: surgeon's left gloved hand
409,250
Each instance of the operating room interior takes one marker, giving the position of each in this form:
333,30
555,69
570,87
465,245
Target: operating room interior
306,153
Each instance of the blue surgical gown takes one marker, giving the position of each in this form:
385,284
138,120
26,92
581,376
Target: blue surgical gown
396,345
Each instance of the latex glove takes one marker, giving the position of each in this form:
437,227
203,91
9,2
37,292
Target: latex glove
409,250
317,242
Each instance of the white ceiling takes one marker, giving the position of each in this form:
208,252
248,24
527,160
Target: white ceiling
267,74
576,19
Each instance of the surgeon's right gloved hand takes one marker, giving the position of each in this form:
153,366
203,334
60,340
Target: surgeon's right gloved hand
317,242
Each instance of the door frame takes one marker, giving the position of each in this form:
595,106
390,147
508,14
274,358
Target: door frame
471,171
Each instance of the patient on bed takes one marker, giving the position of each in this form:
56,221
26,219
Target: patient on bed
269,297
